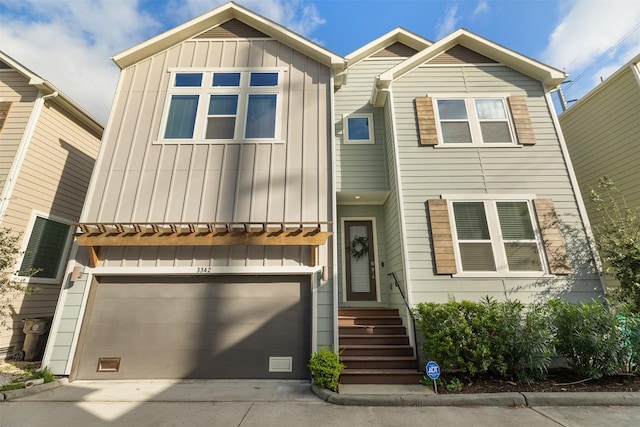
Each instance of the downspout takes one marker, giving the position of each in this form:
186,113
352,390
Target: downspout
334,214
403,227
21,153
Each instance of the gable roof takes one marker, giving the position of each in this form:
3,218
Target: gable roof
48,88
397,35
549,76
219,16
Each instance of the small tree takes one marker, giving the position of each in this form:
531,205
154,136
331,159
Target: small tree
618,239
8,288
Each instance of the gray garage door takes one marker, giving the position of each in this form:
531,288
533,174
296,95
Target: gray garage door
185,327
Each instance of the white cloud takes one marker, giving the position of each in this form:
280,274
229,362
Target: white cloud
482,7
593,39
447,24
70,43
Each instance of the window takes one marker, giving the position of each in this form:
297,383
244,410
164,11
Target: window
46,250
473,121
496,236
223,106
359,129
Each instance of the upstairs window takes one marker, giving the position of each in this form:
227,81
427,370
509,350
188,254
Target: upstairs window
474,121
359,129
223,106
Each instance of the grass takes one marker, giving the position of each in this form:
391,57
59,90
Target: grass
26,374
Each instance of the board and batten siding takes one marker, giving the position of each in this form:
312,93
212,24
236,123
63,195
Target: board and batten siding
361,167
139,180
603,136
14,88
427,173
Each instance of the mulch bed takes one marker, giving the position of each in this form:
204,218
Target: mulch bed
559,380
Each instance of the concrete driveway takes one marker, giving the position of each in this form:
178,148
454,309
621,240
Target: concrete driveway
264,403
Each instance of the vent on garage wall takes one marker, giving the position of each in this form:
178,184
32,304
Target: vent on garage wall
108,364
280,364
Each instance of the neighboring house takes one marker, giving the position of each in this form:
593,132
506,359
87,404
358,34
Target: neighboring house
602,131
48,145
241,162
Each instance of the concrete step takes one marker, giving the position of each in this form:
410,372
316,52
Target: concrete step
381,376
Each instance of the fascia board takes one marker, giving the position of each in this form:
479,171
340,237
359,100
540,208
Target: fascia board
47,88
396,35
628,67
216,17
549,76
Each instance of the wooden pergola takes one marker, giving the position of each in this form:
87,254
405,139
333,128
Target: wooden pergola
96,235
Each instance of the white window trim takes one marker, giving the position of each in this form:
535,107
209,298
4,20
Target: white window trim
497,242
473,120
25,243
204,92
345,126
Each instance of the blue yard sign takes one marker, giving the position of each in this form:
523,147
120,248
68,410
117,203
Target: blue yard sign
433,370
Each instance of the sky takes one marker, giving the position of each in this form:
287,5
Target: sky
70,42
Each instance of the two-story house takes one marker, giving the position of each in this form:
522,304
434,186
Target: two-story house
48,145
258,197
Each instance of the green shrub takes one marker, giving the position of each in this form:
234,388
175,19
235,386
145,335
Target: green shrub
590,337
504,338
326,368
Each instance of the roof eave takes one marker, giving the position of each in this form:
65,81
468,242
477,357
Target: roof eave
218,16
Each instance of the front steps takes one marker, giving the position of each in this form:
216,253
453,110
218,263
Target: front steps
374,347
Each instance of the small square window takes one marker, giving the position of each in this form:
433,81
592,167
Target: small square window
359,129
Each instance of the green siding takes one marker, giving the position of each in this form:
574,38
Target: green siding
428,172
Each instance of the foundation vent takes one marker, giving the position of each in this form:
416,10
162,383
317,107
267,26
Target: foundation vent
108,364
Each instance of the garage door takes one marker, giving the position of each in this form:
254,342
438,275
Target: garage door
213,327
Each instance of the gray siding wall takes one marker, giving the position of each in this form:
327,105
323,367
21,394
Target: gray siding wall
603,136
361,167
428,172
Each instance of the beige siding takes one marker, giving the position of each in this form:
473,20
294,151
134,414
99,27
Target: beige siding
361,167
14,88
427,173
53,181
138,180
603,136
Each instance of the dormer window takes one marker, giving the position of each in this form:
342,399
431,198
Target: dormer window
223,106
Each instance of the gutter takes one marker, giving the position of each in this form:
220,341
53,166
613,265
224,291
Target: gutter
21,153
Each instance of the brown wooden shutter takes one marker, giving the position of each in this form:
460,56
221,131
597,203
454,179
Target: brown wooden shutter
441,237
427,128
4,111
554,244
522,120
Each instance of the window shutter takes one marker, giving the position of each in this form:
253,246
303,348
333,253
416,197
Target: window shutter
4,112
522,120
427,129
552,237
441,237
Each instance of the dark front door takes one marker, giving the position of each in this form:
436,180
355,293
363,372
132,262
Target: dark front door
360,263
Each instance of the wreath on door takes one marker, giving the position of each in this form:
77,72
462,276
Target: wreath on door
359,247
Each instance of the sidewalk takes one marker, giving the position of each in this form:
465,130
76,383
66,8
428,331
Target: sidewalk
267,391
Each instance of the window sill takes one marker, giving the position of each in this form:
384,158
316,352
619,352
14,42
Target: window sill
441,146
507,275
216,141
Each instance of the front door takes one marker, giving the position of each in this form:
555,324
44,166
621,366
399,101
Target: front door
360,264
